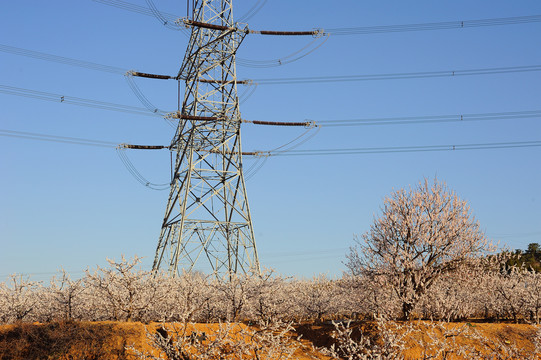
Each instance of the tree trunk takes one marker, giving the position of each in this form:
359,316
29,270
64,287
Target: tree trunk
407,308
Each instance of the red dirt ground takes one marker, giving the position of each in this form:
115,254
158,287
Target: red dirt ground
108,340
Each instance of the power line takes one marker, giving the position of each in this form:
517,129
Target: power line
167,19
89,142
61,59
397,76
297,55
55,138
409,149
292,80
309,152
405,120
136,174
361,30
58,98
364,30
142,98
253,10
399,120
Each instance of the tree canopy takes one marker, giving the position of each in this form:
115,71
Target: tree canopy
422,232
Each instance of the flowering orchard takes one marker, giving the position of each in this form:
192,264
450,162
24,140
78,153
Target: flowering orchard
425,257
480,289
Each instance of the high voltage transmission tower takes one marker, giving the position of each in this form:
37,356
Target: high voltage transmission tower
207,214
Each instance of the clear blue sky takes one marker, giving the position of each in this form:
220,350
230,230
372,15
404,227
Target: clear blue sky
73,206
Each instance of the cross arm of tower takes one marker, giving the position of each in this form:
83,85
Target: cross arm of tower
142,147
150,76
169,77
306,124
212,151
314,32
179,115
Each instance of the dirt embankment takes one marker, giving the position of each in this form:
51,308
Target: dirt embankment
109,340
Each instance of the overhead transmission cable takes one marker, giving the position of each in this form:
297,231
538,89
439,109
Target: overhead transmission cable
10,90
247,92
359,30
308,152
59,98
410,149
291,80
252,11
173,22
61,59
56,138
296,142
373,77
259,162
84,64
297,55
168,20
324,123
142,98
397,76
87,142
406,120
121,152
363,30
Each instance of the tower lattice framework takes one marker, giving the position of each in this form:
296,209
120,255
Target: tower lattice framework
207,215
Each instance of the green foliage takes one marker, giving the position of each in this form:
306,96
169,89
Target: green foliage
529,258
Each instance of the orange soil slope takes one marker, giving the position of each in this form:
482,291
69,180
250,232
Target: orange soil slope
95,340
424,339
108,340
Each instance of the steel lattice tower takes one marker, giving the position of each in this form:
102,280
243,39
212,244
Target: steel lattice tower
207,213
